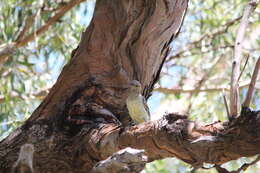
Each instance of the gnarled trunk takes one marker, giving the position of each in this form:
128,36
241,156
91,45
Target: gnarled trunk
84,120
73,127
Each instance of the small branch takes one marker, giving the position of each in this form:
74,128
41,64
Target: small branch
194,90
27,24
252,84
5,50
205,77
40,94
226,104
237,57
10,48
194,44
244,67
128,160
50,22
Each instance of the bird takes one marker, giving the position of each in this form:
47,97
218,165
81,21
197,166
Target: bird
136,103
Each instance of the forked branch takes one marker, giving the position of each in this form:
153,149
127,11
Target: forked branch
6,50
234,93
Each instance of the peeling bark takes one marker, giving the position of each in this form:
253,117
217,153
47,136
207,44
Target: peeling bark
127,160
83,120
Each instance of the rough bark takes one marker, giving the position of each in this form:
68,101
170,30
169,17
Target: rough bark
83,120
127,160
126,40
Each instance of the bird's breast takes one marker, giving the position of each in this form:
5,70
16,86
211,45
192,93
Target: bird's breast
136,109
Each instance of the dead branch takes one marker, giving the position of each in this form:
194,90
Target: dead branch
226,104
234,93
244,67
252,84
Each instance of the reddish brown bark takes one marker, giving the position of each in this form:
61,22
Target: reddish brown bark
126,40
77,123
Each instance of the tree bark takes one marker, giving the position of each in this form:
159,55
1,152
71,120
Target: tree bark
84,120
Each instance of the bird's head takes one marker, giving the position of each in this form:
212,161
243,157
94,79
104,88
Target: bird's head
135,86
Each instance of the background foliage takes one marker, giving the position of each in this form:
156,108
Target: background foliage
192,81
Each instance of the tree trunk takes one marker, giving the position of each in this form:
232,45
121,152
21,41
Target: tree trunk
84,120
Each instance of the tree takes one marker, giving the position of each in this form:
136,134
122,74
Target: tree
77,124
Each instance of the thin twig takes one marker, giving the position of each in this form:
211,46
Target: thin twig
194,44
252,84
237,57
27,24
6,51
243,69
194,90
204,78
50,22
40,95
226,105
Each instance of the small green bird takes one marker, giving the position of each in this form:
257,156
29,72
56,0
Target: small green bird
136,103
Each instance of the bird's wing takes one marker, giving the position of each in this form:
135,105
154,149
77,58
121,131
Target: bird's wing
146,108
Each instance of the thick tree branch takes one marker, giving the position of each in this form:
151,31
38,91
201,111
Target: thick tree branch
172,136
176,136
234,93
